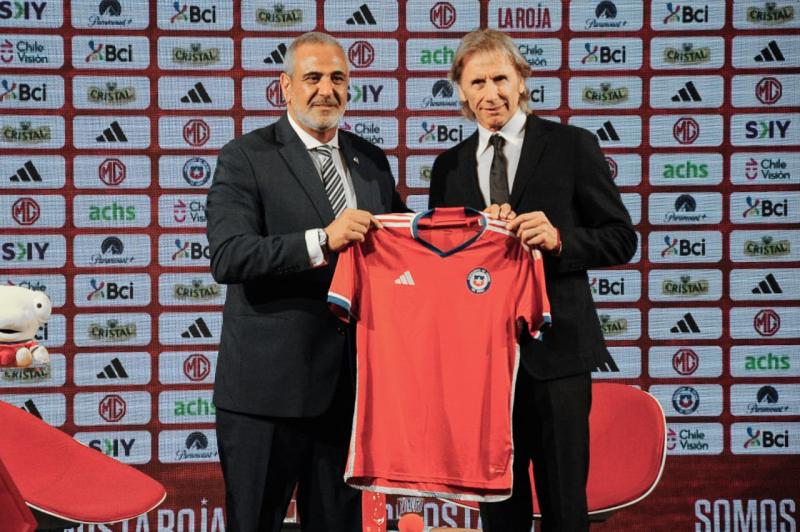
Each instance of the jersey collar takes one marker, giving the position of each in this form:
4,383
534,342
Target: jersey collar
468,211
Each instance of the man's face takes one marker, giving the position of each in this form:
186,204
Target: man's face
316,92
491,87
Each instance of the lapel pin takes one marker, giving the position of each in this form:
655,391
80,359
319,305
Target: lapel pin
355,159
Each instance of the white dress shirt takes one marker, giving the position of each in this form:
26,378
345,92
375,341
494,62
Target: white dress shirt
315,254
513,133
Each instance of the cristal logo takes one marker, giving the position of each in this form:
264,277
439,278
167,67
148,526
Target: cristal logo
687,55
112,408
274,94
767,322
767,247
686,130
685,361
771,14
112,172
603,54
443,15
612,327
25,211
196,132
769,90
361,55
196,367
765,208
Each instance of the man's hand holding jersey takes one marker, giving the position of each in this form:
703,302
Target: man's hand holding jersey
350,226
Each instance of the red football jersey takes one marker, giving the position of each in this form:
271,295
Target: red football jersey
439,297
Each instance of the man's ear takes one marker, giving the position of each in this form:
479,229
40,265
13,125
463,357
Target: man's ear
286,82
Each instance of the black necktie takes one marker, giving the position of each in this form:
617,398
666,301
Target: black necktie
498,174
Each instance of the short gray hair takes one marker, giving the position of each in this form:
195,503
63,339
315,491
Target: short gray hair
312,37
489,40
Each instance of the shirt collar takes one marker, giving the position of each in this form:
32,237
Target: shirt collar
513,132
309,141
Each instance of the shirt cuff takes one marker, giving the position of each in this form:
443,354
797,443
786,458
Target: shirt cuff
315,254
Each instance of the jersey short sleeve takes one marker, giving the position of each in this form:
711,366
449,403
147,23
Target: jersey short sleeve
343,295
533,306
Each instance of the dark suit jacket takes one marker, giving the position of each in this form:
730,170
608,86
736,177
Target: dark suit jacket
563,173
281,349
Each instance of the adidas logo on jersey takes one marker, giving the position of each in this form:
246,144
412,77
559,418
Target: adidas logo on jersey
405,279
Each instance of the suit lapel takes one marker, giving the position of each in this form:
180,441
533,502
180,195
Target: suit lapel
364,198
302,167
532,147
468,164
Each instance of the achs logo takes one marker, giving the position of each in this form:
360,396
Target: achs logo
684,205
443,15
194,408
111,95
109,53
112,213
605,17
766,402
765,208
479,281
112,331
26,134
605,95
770,14
685,14
112,408
685,400
193,14
279,16
196,171
767,248
685,287
687,55
197,290
196,367
111,252
524,18
769,90
603,54
26,211
437,56
685,361
613,327
196,55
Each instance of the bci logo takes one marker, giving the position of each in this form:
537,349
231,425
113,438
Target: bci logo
109,53
765,208
190,250
603,54
683,247
604,287
441,133
766,129
24,92
193,14
110,291
685,14
766,439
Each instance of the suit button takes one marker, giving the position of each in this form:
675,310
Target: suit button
340,329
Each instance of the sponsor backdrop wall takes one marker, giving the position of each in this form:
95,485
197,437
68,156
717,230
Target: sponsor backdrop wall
112,113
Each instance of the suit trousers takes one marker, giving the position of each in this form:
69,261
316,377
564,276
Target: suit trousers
551,428
262,459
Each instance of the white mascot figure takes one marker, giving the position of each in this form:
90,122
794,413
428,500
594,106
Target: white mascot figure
22,312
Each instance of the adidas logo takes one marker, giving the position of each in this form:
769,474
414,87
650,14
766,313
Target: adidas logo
687,94
768,286
26,174
362,16
770,53
113,133
686,325
30,407
197,94
608,366
198,329
405,279
277,56
607,132
115,370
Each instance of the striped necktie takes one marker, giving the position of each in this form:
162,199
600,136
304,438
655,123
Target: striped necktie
331,180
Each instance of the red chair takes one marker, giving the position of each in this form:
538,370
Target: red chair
622,470
63,478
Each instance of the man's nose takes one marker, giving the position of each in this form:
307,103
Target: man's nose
325,86
491,91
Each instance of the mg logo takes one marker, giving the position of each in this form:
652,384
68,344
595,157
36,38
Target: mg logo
196,132
112,408
767,322
361,54
613,167
443,15
686,130
196,367
685,361
25,211
275,94
112,172
769,91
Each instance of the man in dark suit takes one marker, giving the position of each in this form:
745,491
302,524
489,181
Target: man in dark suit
284,200
557,179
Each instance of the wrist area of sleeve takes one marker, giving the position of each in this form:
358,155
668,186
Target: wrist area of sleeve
316,255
